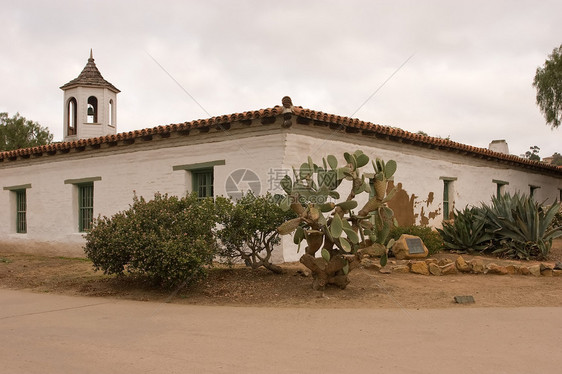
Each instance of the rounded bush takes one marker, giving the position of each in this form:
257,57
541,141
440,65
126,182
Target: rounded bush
169,239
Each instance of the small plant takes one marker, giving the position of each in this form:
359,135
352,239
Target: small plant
432,240
337,230
168,239
249,231
467,231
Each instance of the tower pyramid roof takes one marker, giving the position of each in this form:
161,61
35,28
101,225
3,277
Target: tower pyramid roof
90,76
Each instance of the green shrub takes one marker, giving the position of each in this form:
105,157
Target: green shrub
522,227
249,231
168,239
467,231
430,238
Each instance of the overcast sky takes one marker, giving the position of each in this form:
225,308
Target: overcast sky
467,66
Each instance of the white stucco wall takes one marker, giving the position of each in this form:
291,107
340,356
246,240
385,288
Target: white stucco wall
419,171
52,219
270,151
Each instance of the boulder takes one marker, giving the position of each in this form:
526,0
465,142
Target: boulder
558,266
370,264
434,269
523,270
546,270
512,269
477,266
419,267
374,250
557,273
407,244
401,269
462,265
445,261
385,271
496,269
448,269
535,270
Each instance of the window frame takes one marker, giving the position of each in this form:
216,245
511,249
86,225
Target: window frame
18,207
21,211
196,171
84,215
203,182
448,196
500,186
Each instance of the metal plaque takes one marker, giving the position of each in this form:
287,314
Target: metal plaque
415,245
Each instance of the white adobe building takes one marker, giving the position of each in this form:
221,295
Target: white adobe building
49,194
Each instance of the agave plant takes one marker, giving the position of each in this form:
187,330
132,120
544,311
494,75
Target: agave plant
523,227
467,231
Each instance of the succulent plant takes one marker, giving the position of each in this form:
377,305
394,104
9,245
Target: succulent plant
332,227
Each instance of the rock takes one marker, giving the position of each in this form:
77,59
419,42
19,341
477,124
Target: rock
434,269
374,250
523,270
431,261
477,266
419,267
385,271
405,244
512,269
445,261
535,270
303,272
401,269
496,269
448,269
461,265
557,273
546,270
558,266
464,299
370,264
547,266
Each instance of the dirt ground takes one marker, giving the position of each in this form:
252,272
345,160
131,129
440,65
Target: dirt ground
240,286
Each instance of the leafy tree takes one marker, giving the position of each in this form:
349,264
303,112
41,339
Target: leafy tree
557,159
18,132
250,233
532,154
548,82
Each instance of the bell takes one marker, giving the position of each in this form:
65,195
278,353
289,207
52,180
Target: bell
90,110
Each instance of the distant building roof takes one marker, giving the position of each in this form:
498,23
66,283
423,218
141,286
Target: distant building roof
91,77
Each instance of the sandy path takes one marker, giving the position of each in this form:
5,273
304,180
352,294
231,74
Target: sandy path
61,334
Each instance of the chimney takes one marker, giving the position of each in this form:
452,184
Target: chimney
499,146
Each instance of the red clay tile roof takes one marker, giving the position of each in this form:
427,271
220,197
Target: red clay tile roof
91,77
304,117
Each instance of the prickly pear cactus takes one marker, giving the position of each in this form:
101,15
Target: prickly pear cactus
334,228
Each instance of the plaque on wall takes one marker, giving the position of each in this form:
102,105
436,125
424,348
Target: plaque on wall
415,245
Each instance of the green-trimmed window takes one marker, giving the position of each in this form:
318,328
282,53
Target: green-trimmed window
85,206
21,211
532,190
203,182
447,196
500,186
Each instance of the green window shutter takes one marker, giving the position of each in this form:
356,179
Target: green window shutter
85,206
203,182
21,211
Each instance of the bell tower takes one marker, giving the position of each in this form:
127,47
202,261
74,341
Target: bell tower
90,105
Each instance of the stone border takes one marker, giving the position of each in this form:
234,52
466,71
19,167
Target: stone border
475,266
